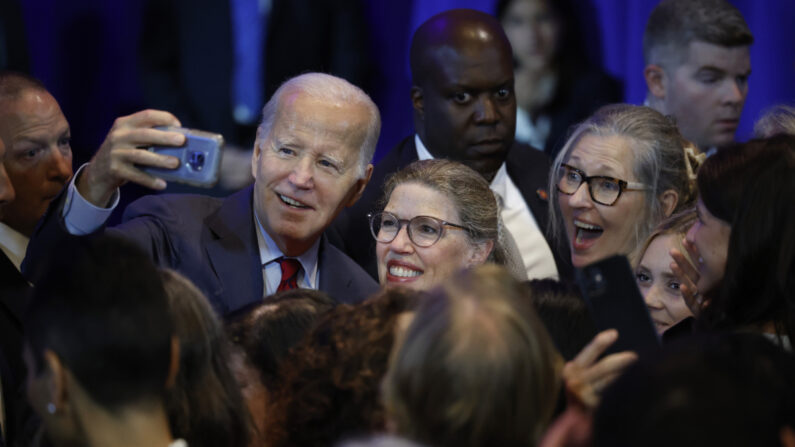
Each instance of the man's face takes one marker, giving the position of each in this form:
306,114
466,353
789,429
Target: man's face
467,106
706,93
307,169
39,157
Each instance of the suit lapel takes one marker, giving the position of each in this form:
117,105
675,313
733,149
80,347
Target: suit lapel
334,279
234,253
529,172
13,289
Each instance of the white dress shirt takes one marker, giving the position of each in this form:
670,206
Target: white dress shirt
82,217
517,218
14,244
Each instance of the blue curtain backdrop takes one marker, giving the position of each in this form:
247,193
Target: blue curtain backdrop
85,52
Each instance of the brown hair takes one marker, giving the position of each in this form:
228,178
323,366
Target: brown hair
673,24
216,415
476,366
330,381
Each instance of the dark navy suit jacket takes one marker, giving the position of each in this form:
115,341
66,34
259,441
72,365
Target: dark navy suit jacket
211,241
21,421
527,167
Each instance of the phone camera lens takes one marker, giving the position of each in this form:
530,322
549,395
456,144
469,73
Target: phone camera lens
196,160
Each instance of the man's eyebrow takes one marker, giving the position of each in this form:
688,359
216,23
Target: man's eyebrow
711,68
27,139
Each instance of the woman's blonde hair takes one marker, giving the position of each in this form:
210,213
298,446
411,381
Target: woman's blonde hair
676,225
474,201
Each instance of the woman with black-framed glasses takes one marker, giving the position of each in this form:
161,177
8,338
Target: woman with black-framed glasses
438,217
621,172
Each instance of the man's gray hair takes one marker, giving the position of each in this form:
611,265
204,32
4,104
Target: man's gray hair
777,120
333,90
673,24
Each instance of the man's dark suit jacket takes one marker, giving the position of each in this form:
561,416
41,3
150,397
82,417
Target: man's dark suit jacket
527,167
14,289
211,241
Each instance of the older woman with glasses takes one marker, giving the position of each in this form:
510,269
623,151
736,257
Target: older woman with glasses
439,216
620,173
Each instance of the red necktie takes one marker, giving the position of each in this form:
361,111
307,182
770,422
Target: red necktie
290,268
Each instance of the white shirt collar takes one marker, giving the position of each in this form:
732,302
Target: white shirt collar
422,151
14,244
499,184
269,252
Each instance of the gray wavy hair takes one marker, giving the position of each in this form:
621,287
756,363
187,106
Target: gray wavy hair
664,160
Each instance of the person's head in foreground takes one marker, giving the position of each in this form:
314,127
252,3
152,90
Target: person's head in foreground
100,348
564,313
439,216
475,367
656,280
697,55
216,414
266,330
263,333
312,157
330,382
621,172
745,239
462,89
777,120
728,390
37,140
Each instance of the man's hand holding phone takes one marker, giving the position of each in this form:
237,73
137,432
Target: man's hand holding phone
118,159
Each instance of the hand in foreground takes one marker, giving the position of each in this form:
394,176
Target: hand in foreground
688,276
115,162
585,378
571,429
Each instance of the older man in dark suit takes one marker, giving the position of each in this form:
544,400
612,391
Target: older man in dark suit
310,160
465,110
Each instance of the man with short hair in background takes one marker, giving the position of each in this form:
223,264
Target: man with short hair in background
465,110
697,55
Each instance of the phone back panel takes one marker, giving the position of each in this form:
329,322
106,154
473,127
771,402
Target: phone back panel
615,302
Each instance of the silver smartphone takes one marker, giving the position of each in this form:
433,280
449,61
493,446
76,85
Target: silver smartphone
199,158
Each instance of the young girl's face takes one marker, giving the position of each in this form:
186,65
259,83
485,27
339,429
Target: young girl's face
659,285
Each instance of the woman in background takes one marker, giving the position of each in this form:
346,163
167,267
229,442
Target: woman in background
555,85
